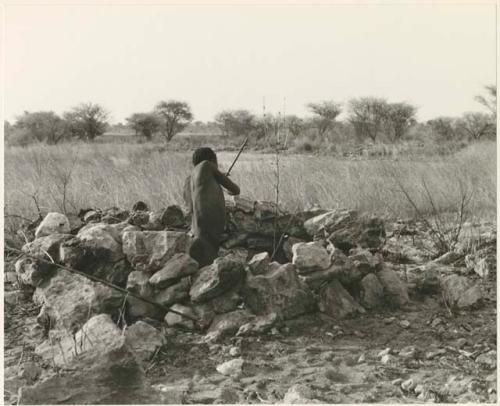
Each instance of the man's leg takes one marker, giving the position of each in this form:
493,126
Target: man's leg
202,251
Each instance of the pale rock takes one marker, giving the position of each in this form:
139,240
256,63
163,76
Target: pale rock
408,385
144,340
179,266
259,264
138,283
232,368
148,251
279,291
215,279
482,268
235,351
335,301
460,292
72,298
328,222
176,320
395,289
387,359
104,239
105,372
228,324
53,223
310,256
300,394
488,359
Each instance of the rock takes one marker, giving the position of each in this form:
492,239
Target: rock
288,244
144,340
179,266
315,280
174,293
310,256
387,359
259,264
104,240
404,323
461,342
335,301
91,216
70,299
364,261
148,251
140,206
138,283
232,368
384,352
171,217
53,223
259,325
176,320
279,291
395,290
427,281
100,261
30,372
260,243
171,394
300,394
482,268
10,277
372,292
138,309
398,251
235,351
114,215
237,255
459,292
215,279
326,223
488,359
397,381
105,372
228,324
409,352
32,272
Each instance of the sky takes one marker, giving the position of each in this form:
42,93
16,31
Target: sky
216,57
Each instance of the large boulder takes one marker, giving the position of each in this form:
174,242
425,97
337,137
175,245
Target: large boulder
460,292
103,240
279,291
53,223
179,266
335,301
395,290
70,299
104,372
310,257
171,217
101,257
215,279
148,251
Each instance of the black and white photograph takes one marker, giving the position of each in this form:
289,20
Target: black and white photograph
237,202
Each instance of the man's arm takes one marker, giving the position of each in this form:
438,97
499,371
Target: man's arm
226,183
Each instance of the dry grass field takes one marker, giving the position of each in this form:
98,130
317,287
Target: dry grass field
72,176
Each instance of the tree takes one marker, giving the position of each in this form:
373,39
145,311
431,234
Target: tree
236,122
444,127
87,121
325,114
295,125
367,115
400,117
490,101
477,125
144,124
174,117
43,126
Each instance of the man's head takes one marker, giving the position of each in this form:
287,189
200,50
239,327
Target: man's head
204,154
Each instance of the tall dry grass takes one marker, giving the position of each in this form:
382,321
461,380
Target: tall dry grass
73,176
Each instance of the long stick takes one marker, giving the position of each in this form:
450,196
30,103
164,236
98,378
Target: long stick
237,156
104,282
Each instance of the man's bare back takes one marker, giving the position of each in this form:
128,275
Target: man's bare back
208,205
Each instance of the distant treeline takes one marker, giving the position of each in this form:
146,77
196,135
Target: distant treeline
367,118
